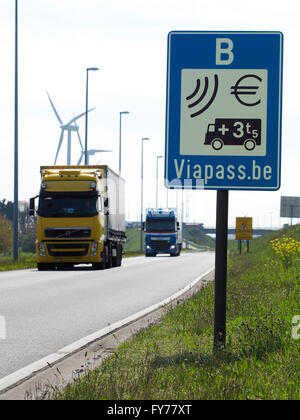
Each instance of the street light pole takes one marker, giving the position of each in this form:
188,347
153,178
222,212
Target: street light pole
16,174
86,112
157,157
120,150
142,192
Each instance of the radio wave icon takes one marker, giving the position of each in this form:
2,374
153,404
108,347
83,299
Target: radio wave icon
203,94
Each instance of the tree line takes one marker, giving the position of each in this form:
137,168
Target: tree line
27,227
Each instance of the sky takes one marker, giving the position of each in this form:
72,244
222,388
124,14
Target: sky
127,41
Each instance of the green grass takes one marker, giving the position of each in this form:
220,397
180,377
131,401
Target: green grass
25,260
197,237
133,241
174,359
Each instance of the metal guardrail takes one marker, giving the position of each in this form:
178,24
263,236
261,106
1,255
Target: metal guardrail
193,244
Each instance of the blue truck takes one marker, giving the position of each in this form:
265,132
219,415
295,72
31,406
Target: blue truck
162,233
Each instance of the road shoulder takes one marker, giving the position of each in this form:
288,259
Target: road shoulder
74,361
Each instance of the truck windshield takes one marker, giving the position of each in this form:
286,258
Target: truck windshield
67,205
160,225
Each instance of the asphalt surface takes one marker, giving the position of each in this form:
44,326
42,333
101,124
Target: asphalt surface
46,311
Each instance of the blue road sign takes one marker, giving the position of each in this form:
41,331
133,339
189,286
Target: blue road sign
223,113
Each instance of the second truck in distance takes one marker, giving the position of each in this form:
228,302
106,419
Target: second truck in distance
162,233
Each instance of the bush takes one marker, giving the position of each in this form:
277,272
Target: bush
6,236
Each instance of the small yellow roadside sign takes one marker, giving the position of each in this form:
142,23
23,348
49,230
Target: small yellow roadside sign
243,228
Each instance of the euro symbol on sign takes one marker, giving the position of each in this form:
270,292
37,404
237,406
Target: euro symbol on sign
238,90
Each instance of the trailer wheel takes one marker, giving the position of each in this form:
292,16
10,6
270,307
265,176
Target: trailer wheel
117,259
119,255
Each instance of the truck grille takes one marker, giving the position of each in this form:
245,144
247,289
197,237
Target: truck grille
67,232
160,245
68,249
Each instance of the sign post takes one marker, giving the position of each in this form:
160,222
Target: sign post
221,270
223,124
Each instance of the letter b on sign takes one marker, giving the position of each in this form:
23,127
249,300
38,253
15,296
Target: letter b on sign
224,54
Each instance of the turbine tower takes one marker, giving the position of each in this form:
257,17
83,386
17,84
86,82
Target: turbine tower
69,127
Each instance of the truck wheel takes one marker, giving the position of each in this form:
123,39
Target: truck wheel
119,255
117,259
217,144
109,256
103,263
249,144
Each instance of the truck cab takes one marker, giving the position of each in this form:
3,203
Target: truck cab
80,217
162,233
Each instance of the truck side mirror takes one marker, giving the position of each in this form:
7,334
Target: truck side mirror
178,226
143,225
106,202
31,206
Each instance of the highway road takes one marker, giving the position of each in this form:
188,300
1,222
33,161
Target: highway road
46,311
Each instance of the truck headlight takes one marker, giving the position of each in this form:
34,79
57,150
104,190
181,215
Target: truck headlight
94,246
173,247
41,247
148,247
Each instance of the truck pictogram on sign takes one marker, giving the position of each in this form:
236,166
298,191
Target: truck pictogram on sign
234,132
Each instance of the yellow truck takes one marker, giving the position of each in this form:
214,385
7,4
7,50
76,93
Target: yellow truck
80,217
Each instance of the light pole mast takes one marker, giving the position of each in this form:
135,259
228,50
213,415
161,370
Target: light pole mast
157,157
142,192
120,138
86,161
16,174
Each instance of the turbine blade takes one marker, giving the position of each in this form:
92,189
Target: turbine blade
55,112
59,145
79,140
80,159
97,151
77,117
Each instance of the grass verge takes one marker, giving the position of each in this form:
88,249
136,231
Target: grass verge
174,360
26,260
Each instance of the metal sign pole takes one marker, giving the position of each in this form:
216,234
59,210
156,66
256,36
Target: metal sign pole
16,156
221,269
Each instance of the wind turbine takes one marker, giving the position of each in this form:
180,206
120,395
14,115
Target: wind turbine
90,152
69,127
